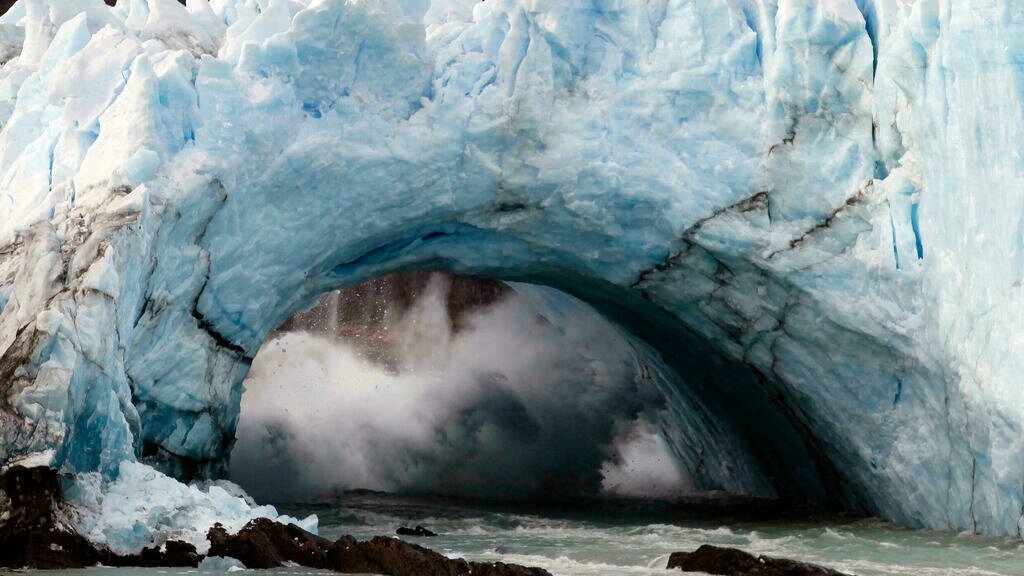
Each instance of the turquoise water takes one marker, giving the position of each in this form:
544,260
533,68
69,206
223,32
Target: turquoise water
636,539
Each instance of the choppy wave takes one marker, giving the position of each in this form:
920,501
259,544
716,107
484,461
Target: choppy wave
589,543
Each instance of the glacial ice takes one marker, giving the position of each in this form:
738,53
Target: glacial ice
220,564
807,208
143,507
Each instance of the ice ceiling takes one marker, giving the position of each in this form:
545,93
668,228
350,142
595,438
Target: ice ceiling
808,209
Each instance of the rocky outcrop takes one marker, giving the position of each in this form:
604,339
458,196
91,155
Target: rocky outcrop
264,543
733,562
391,556
172,554
394,557
30,531
33,535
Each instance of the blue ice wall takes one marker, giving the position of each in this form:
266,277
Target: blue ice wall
805,207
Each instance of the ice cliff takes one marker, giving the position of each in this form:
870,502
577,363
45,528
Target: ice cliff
809,210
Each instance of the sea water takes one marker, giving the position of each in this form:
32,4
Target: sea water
627,538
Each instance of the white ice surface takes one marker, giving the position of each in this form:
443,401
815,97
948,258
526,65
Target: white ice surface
144,508
822,193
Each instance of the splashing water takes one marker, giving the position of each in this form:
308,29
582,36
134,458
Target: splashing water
629,537
509,406
622,539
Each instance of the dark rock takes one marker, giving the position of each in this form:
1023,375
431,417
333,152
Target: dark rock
47,550
417,531
29,531
180,554
347,556
394,557
32,537
172,554
733,562
264,543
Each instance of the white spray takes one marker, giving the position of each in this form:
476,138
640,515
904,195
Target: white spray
512,406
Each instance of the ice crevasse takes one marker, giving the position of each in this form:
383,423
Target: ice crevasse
806,212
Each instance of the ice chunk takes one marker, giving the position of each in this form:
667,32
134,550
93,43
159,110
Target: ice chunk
143,507
220,564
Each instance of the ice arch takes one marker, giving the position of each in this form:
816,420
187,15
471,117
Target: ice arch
798,203
478,389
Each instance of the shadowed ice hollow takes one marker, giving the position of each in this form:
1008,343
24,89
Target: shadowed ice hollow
509,405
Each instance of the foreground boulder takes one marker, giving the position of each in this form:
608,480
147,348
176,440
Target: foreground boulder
172,554
264,543
393,557
733,562
29,530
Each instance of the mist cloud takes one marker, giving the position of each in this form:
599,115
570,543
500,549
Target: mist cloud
511,406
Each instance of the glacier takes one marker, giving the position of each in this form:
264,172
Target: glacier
804,210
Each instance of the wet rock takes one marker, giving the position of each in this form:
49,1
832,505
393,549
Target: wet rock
31,535
348,557
180,554
47,550
264,543
393,557
733,562
172,554
417,531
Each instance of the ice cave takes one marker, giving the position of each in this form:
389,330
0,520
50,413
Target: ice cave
800,216
459,387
